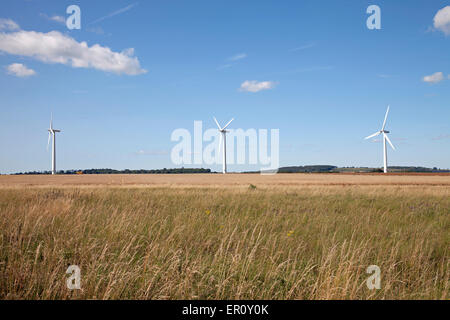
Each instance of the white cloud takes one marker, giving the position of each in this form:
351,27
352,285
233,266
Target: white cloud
255,86
238,56
306,46
115,13
59,19
233,60
224,66
20,70
434,78
55,47
8,24
442,20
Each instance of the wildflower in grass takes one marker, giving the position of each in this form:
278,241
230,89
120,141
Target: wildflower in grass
290,233
208,212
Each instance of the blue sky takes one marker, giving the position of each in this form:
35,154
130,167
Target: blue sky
331,79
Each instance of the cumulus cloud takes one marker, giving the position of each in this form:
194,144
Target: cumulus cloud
55,47
442,20
20,70
255,86
434,78
8,24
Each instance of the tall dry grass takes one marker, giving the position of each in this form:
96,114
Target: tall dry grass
191,243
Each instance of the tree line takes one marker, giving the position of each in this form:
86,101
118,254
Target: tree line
126,171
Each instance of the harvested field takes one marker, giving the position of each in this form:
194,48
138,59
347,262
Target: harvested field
218,180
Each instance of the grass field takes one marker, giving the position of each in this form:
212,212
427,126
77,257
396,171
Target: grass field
288,236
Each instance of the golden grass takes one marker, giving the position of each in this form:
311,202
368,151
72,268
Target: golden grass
229,180
273,242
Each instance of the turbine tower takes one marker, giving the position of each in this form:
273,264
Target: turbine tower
385,138
223,139
52,133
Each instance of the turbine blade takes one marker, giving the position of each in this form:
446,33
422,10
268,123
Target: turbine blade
218,126
372,135
51,120
48,142
387,138
385,118
228,124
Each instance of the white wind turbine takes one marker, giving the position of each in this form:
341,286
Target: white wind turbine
223,139
385,138
52,133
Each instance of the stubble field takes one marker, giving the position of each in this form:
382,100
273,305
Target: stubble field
288,236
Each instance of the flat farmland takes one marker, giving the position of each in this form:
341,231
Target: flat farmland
239,236
229,180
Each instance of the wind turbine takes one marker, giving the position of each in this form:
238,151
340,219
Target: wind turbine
385,138
52,133
223,139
